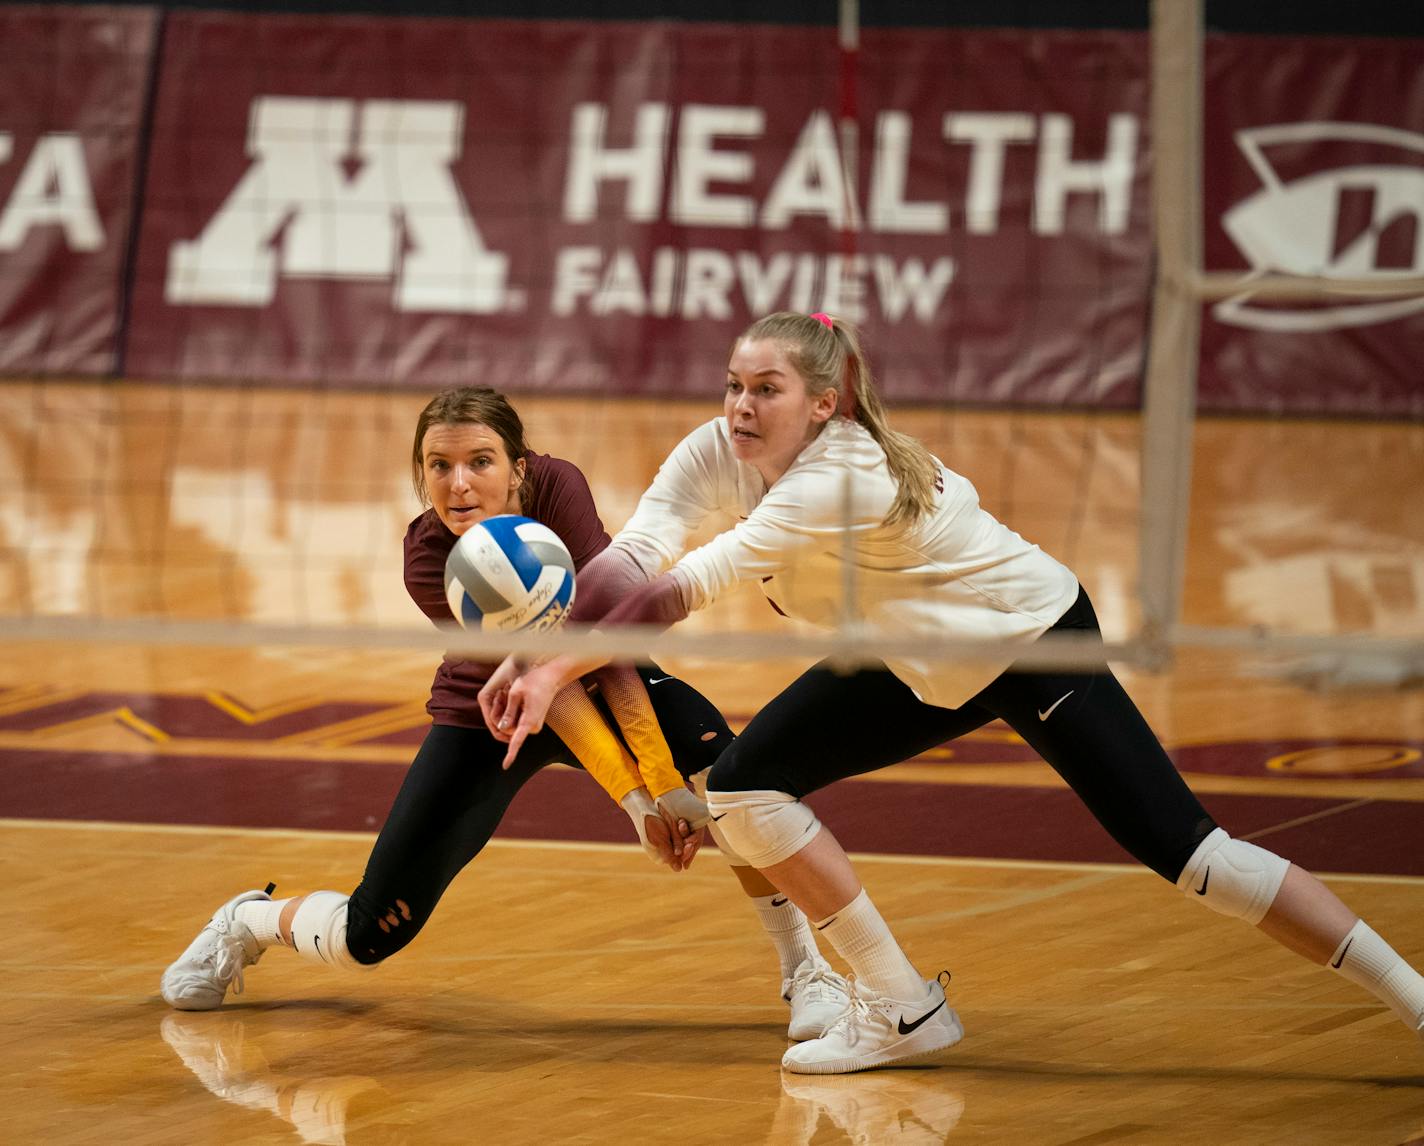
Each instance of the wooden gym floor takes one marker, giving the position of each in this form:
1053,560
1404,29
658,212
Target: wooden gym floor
569,991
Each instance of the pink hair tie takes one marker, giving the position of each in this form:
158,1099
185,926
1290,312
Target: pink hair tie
825,320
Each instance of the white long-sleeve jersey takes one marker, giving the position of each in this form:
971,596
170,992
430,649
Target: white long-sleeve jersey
956,571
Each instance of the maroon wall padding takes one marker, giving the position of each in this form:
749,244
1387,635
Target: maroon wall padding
73,88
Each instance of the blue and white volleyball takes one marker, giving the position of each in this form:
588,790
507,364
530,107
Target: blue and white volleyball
509,573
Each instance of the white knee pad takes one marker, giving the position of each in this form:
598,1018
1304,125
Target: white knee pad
699,785
1233,877
319,930
764,827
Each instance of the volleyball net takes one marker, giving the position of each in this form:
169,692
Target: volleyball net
1168,346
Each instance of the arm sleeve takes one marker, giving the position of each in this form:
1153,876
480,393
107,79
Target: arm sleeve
578,723
686,490
604,582
661,602
631,706
605,576
813,510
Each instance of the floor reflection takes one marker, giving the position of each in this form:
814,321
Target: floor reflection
217,1048
907,1107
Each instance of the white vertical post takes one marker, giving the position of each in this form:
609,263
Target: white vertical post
1169,389
847,115
848,44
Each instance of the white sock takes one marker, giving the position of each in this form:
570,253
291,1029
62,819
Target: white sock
261,917
864,941
1368,961
788,931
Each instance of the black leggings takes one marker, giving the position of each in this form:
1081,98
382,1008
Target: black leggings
454,795
826,726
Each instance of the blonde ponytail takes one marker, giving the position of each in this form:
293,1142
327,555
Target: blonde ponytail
826,352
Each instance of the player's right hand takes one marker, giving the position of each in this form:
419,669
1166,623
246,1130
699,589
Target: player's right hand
654,833
683,804
526,705
683,835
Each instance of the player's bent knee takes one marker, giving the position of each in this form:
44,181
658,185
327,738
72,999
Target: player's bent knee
699,785
1233,877
319,930
763,827
374,933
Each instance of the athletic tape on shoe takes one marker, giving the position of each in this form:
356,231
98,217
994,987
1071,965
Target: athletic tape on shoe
319,930
765,827
699,785
1233,877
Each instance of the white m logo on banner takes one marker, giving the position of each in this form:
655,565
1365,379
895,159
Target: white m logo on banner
355,191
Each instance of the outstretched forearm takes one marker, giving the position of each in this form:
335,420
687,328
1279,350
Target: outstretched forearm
662,602
657,603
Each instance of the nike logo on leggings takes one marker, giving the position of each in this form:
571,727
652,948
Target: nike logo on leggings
1045,713
723,814
908,1028
1340,960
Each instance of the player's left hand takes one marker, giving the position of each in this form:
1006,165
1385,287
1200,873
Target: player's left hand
662,841
685,816
526,706
686,840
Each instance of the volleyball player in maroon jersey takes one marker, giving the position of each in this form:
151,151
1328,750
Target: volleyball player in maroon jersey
470,461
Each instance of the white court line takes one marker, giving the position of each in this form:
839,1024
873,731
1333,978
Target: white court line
594,846
1320,815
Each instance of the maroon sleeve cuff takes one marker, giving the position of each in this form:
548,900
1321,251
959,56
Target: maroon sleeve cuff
659,602
603,583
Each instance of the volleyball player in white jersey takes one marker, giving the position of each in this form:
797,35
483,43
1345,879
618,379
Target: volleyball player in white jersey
804,457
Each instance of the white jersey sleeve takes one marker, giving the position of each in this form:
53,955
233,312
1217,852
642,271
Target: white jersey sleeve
817,542
822,506
689,487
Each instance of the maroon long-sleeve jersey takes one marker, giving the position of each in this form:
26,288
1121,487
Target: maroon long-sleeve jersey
555,493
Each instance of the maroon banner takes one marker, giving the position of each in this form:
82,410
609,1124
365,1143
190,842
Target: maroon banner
1314,165
73,87
600,207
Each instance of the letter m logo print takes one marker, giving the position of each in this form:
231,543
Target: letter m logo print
345,190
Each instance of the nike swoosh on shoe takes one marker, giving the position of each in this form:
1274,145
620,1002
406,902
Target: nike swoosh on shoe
910,1028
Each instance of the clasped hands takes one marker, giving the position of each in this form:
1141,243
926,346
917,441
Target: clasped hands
664,830
515,702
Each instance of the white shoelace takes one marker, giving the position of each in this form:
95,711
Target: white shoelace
817,983
859,1011
229,958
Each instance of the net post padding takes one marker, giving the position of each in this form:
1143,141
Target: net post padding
1169,389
